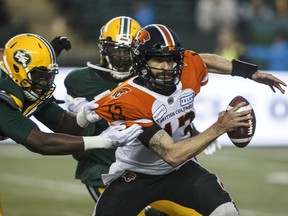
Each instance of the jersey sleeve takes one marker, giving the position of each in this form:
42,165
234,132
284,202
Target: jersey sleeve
14,125
126,104
194,73
50,115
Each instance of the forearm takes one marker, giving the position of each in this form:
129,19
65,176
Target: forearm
53,143
69,124
216,63
177,153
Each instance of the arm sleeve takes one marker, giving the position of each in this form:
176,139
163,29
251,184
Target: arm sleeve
14,125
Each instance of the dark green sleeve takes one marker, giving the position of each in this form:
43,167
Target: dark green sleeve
50,115
14,125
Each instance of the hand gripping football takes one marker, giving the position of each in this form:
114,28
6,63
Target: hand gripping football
241,136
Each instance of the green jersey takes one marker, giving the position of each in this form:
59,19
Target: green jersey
88,82
15,111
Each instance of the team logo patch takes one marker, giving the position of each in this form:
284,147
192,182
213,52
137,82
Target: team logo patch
129,176
117,94
22,57
141,38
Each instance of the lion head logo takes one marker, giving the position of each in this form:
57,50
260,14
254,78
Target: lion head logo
129,176
141,38
120,92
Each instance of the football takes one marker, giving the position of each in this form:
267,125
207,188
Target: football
242,136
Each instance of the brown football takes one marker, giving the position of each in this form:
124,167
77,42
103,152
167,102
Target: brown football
242,136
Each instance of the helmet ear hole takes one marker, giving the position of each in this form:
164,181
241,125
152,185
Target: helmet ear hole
16,69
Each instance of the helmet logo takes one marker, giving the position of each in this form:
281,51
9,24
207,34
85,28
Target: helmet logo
141,38
22,57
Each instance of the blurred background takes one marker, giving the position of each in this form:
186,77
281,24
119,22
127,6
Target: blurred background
233,28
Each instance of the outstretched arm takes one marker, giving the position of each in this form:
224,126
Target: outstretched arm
220,65
63,144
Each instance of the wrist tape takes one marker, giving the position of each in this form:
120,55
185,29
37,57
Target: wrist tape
92,142
81,120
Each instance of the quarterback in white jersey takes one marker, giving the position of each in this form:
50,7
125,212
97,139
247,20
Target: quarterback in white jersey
161,164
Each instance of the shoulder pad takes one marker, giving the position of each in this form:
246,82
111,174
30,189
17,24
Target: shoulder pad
5,97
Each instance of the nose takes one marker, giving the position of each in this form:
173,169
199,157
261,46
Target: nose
167,64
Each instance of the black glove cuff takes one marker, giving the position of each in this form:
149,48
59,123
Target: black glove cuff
243,69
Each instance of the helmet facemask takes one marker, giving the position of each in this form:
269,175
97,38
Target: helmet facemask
41,82
163,78
118,58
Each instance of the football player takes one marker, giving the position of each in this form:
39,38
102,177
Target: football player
27,74
83,84
161,164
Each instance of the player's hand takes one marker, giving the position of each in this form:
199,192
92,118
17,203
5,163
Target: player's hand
214,145
88,114
119,135
75,104
59,43
270,80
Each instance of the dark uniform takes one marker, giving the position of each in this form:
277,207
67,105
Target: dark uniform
88,82
14,110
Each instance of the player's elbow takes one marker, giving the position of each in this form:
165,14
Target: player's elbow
174,160
38,142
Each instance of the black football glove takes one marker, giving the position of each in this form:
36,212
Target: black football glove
59,43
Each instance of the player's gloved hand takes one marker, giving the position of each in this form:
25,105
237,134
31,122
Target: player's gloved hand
113,137
75,104
214,145
119,135
88,114
59,43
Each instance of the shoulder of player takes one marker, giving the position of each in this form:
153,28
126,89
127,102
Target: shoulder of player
83,74
130,94
193,59
76,73
190,54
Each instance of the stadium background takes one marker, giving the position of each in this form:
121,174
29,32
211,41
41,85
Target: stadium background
256,176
